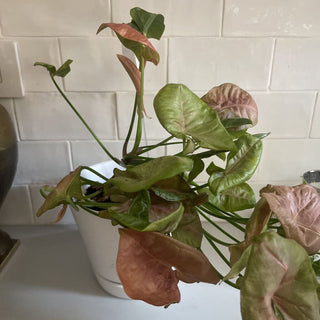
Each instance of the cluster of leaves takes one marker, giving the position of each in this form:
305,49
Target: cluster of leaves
157,202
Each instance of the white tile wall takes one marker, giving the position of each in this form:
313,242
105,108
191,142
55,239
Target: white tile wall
202,63
271,18
285,114
38,50
52,18
315,129
46,116
42,162
296,64
270,48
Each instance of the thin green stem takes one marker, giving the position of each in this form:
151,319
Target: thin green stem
216,239
219,228
154,146
85,123
218,251
133,117
95,172
139,124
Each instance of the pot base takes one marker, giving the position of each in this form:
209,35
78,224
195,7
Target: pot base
114,288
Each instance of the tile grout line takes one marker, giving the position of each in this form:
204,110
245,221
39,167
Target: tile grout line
222,18
317,97
274,44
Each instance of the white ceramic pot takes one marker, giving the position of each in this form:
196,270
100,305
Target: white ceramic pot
101,238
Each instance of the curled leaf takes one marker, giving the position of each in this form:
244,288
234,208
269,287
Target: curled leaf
298,210
241,164
69,187
255,225
232,102
145,264
133,40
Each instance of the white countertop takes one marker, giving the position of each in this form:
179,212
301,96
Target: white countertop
49,278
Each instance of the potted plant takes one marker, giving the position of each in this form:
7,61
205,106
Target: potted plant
156,203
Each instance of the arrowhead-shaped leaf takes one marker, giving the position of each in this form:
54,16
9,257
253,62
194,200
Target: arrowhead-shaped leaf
145,264
278,270
183,114
232,102
150,24
133,40
298,210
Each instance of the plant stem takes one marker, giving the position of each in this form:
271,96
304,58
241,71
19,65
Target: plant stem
139,124
133,117
217,250
216,239
219,228
85,124
95,172
151,147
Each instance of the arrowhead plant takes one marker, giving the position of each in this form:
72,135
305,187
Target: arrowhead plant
157,202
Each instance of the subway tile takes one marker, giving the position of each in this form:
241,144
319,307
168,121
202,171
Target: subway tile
202,63
296,64
271,18
96,67
315,128
284,114
287,160
33,50
182,17
51,215
42,162
16,208
53,18
46,116
87,153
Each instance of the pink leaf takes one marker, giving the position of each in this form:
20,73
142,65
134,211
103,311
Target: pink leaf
298,210
145,265
230,101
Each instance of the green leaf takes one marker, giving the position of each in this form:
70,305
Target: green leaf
189,230
198,166
183,114
150,24
236,198
137,216
279,271
133,40
168,223
241,165
49,67
141,205
61,72
145,175
64,69
235,122
212,168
